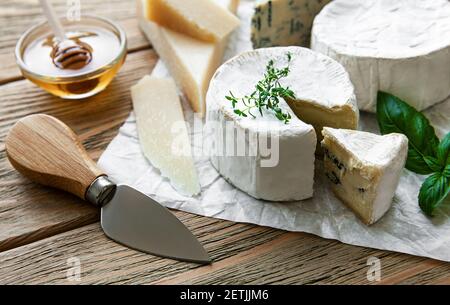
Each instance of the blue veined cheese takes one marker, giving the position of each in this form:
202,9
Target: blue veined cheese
364,169
283,22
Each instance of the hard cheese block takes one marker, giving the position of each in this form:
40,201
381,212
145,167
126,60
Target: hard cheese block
201,19
284,22
320,84
162,132
400,47
364,169
191,62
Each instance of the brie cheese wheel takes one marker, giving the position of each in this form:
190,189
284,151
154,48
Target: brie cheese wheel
364,169
283,22
322,88
400,47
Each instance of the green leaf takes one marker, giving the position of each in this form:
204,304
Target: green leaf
289,56
434,164
443,151
394,115
433,192
267,94
446,171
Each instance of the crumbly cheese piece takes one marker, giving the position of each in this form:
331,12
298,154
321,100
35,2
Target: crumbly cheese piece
162,132
364,169
191,62
319,83
401,47
284,22
200,19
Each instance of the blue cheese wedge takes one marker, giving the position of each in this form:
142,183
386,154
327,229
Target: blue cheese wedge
320,85
400,47
364,169
283,22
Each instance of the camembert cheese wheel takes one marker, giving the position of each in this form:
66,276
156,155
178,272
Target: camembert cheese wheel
281,167
400,47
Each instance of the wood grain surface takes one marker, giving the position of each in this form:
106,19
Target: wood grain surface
41,228
242,254
29,212
16,16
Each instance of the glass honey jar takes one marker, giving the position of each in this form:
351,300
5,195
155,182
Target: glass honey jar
107,42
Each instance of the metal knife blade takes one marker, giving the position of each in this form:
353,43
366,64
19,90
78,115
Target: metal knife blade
137,221
47,151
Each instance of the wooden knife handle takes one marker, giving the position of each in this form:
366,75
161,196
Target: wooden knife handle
47,151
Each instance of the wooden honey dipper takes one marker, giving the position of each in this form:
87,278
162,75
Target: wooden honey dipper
66,53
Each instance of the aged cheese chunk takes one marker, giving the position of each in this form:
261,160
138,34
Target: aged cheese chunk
364,169
283,22
191,62
201,19
162,132
321,86
400,47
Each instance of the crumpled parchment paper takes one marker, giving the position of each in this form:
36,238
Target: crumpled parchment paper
403,229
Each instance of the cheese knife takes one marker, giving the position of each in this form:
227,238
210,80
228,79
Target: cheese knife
47,151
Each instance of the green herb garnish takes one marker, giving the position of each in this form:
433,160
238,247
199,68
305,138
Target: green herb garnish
267,94
426,155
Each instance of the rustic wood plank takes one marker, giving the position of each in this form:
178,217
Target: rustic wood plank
420,267
437,274
300,259
18,15
106,262
242,254
40,228
9,71
29,212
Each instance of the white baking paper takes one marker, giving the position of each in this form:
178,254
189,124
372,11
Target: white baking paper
403,229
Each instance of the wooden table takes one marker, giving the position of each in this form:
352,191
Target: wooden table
41,228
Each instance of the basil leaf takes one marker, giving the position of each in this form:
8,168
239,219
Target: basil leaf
394,115
446,171
433,192
434,164
443,151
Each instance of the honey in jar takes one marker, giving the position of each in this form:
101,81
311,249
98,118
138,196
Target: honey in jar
106,43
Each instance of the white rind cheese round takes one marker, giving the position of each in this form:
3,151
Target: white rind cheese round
313,77
401,47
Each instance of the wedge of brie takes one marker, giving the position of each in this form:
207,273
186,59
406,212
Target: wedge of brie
364,169
401,47
278,163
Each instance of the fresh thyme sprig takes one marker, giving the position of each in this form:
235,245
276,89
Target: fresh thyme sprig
267,94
